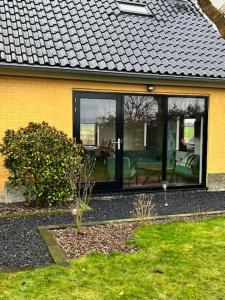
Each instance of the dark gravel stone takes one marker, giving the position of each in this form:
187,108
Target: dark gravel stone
21,244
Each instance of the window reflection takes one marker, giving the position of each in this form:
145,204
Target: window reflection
144,139
143,142
88,134
98,133
185,140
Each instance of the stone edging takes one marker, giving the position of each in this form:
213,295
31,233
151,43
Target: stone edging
54,249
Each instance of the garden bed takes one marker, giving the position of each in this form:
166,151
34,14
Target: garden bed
177,260
22,245
107,238
23,208
104,239
108,207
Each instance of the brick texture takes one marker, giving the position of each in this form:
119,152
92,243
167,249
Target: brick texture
25,99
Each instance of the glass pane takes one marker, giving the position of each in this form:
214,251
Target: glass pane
143,142
87,134
130,7
98,133
185,140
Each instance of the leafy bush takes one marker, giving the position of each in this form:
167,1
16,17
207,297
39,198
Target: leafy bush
39,158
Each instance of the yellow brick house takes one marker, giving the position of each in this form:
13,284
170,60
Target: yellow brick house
140,83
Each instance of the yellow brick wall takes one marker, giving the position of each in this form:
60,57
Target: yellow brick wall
24,99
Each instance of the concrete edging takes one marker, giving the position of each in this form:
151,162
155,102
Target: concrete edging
53,248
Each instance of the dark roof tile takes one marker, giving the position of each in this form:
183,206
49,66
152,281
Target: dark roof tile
176,39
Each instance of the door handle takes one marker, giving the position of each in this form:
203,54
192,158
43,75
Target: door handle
119,141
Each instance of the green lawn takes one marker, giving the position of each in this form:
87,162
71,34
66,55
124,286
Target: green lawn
188,132
190,255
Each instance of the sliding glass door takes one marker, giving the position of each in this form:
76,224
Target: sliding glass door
138,141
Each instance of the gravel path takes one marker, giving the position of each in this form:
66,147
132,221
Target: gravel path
21,245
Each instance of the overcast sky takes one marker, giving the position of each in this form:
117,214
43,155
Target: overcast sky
218,3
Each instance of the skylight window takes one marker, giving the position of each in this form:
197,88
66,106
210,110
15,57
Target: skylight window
133,8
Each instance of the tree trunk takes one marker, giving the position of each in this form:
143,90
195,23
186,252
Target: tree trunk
214,15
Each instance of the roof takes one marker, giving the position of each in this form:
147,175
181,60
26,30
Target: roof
176,39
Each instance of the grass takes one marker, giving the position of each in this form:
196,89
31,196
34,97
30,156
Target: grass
188,132
190,256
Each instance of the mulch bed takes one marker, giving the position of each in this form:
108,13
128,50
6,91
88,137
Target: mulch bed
99,238
22,208
106,238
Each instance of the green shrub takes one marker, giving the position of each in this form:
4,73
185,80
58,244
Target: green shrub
39,158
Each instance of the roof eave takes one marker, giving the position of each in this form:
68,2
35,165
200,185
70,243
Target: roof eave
103,75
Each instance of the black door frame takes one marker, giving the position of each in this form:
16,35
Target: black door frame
111,185
119,97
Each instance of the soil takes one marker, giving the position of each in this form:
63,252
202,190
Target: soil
21,208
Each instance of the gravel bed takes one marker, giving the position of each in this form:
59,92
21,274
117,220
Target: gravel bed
21,245
121,206
178,203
